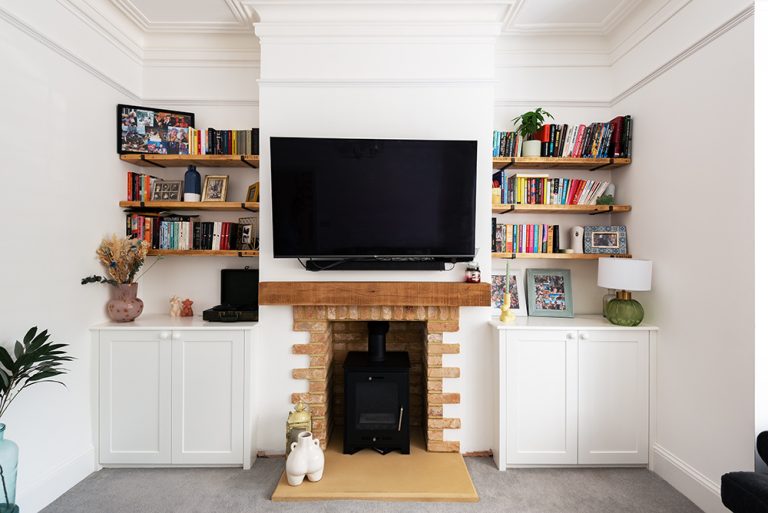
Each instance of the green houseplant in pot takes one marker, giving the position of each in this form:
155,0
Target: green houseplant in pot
34,360
122,257
527,125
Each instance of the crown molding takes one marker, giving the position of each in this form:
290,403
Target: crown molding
736,20
240,25
106,28
181,57
199,102
63,52
601,28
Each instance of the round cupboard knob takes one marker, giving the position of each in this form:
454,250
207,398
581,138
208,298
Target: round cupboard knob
569,336
583,336
176,336
165,335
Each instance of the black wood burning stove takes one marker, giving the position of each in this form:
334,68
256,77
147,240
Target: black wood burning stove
376,396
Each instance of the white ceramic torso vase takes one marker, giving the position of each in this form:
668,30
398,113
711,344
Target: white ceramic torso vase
306,459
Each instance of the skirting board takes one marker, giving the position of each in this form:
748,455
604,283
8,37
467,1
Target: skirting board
57,481
704,492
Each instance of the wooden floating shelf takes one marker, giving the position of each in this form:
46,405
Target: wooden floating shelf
204,252
221,206
155,160
555,256
558,163
559,209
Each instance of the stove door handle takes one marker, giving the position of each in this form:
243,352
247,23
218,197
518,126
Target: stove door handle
400,421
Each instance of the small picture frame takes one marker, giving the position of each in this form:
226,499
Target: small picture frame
253,193
549,293
247,233
215,188
605,240
167,190
517,302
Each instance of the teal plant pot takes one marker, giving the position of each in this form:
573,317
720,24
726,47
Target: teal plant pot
9,463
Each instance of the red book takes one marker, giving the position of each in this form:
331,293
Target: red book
530,239
579,141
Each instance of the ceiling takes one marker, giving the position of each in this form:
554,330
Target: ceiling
534,17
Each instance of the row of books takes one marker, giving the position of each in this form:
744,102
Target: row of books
182,232
525,238
223,142
540,189
596,140
140,186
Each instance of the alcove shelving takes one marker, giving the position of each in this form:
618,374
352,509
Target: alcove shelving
590,164
558,209
248,162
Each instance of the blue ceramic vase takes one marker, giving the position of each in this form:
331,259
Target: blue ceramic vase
9,461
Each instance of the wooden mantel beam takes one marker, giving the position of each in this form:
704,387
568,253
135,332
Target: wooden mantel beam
365,293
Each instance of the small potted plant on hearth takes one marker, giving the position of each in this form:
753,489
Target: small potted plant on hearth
34,360
527,125
122,258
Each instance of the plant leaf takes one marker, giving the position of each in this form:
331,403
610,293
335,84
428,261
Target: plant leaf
18,350
30,334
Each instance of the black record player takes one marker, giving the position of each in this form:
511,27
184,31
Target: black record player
239,297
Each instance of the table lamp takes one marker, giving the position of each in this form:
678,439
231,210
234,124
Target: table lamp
624,275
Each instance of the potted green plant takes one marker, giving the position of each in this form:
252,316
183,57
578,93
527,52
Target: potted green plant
527,125
122,257
34,360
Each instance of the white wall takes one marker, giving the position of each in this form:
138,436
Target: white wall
703,257
61,185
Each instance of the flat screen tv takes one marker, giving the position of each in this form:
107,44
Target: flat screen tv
373,198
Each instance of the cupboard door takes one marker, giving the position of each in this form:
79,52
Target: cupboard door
541,397
135,397
613,397
207,401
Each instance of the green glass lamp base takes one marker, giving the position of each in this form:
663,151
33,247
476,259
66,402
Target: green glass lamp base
624,312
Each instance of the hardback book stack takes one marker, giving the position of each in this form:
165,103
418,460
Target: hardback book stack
140,186
224,142
597,140
164,231
525,238
540,189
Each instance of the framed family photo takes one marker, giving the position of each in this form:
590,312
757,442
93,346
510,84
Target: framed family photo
549,293
150,130
516,292
607,240
215,188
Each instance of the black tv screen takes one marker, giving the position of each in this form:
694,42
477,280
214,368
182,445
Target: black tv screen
368,198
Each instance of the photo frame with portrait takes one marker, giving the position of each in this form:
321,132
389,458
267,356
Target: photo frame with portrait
152,130
517,301
215,188
549,293
167,190
605,240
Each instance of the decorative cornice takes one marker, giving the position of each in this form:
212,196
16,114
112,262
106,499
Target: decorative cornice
239,25
199,102
60,50
601,28
106,29
736,20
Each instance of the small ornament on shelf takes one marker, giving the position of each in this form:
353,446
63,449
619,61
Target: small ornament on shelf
186,308
175,306
472,274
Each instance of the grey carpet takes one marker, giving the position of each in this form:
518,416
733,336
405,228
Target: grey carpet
238,491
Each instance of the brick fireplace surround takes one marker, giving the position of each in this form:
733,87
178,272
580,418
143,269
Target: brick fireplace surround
420,313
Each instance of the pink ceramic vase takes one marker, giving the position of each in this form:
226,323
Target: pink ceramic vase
124,306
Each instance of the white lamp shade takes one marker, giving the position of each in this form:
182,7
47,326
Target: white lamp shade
624,273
